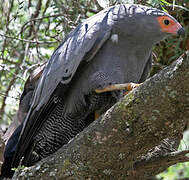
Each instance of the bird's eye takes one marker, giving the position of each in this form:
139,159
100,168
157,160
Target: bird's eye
166,22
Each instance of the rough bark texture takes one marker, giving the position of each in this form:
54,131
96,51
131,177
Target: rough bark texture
135,139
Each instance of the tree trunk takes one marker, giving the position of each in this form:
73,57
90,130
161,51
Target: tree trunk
136,139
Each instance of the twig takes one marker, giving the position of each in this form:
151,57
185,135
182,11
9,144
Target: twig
177,6
30,41
6,26
6,69
8,60
3,95
43,15
40,18
35,15
7,92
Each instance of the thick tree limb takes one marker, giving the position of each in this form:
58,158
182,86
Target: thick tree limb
135,139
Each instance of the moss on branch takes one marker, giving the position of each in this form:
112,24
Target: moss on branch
145,127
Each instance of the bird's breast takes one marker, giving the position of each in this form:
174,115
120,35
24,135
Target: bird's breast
122,59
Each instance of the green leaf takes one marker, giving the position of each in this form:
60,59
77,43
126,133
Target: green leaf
165,2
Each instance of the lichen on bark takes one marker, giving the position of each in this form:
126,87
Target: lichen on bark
137,137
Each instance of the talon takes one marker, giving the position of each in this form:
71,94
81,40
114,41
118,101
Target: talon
131,86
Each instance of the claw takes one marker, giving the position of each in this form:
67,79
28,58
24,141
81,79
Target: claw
132,86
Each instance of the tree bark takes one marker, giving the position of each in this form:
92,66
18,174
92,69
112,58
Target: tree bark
135,139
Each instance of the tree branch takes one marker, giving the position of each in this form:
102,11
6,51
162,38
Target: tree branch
29,41
137,137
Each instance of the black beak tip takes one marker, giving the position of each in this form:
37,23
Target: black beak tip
181,32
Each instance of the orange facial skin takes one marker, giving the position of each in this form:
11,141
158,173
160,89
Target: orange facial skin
168,25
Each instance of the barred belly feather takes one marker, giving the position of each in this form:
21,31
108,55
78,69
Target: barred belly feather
59,129
56,131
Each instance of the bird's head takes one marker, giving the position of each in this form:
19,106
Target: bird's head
148,24
169,25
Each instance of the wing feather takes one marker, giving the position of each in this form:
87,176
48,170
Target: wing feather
67,57
80,45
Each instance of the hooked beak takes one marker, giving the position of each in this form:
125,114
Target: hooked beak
181,32
176,29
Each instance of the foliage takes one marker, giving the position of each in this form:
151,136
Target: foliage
175,172
179,170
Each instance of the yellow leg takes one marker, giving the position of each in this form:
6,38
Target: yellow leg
127,86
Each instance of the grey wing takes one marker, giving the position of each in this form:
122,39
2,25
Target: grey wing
87,37
80,45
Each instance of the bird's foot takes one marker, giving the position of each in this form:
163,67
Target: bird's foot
126,86
131,87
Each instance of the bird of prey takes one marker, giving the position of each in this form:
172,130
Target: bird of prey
86,74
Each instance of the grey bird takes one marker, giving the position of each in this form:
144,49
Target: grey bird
110,48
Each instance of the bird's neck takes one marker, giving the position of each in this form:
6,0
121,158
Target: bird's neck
133,57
